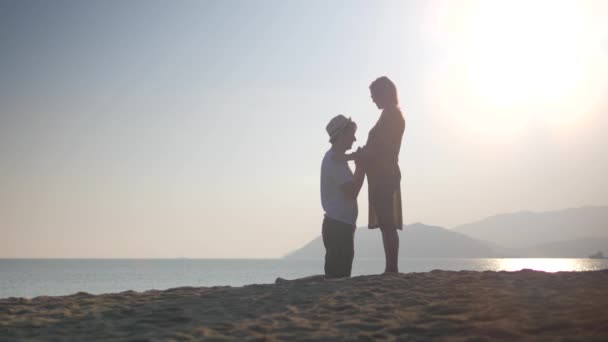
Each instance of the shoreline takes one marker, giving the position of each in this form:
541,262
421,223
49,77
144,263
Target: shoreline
456,305
32,278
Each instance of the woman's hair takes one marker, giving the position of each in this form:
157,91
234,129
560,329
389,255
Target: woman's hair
384,87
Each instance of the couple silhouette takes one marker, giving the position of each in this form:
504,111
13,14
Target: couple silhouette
340,187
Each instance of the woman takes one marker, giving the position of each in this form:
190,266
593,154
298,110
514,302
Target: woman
380,158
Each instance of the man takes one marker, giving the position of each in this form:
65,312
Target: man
339,191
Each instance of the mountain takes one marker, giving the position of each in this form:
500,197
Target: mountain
525,230
581,248
569,233
416,240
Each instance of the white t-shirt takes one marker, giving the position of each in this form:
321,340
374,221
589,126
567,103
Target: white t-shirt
336,205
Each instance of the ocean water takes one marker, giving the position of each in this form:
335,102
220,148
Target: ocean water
52,277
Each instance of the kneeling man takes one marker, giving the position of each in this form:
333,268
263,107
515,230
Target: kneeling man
339,191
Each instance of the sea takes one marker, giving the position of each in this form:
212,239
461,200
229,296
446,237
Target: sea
57,277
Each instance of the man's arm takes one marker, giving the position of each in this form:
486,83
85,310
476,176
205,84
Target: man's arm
351,189
353,156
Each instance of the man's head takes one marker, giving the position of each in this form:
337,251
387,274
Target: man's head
341,132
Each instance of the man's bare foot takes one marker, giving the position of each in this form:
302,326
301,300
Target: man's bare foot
281,281
310,279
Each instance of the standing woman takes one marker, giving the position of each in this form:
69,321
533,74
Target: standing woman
380,158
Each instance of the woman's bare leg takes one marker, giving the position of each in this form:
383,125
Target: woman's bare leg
390,239
386,252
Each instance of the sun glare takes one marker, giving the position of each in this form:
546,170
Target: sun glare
516,62
525,52
545,265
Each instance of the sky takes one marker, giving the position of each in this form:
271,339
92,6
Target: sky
162,129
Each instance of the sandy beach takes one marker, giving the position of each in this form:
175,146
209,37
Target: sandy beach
437,305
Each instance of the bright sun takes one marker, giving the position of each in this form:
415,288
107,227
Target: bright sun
525,52
516,62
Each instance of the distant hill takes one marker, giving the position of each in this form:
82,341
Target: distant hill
530,232
416,240
569,233
581,248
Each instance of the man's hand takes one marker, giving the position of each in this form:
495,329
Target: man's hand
351,189
341,157
362,158
357,156
346,157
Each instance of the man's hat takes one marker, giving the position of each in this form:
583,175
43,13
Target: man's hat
336,125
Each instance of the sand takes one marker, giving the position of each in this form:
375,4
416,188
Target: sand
437,305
